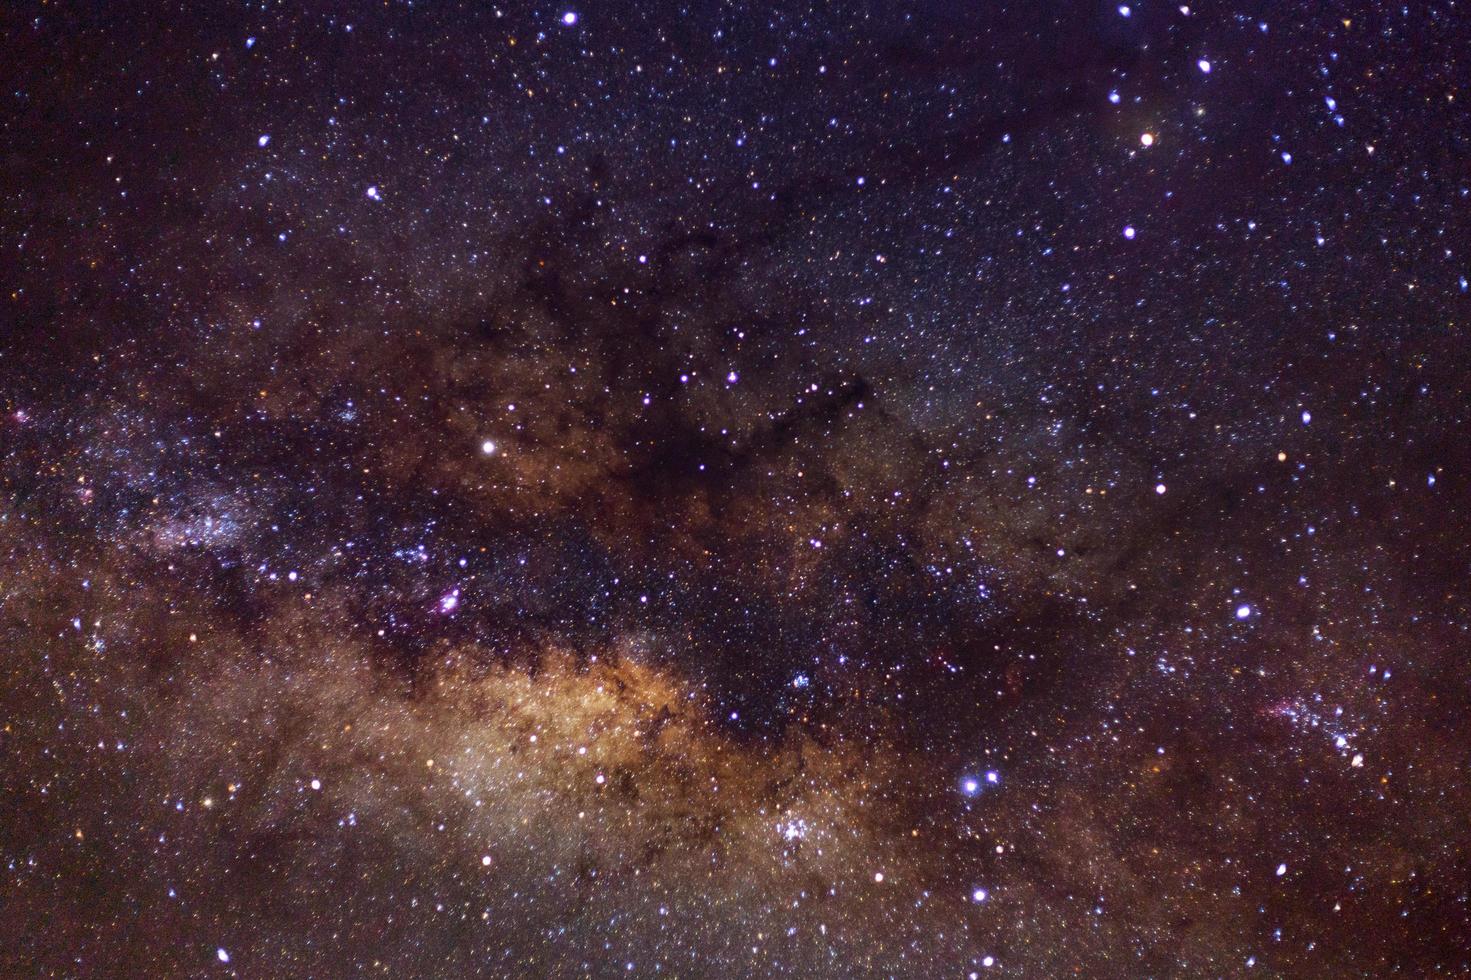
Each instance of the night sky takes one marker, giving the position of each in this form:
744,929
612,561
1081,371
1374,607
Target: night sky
720,490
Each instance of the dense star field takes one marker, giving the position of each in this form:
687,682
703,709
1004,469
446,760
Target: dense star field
721,490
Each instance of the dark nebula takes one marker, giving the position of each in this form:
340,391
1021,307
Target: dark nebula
709,490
